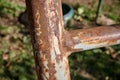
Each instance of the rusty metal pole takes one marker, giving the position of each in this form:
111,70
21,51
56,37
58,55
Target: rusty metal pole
96,37
46,28
52,44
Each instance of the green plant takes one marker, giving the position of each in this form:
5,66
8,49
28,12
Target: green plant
16,59
9,8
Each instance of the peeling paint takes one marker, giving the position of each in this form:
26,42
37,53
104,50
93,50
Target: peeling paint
56,45
95,37
47,33
52,43
87,47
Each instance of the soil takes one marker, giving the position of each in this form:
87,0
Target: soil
8,20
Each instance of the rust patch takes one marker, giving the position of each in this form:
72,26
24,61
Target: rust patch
46,33
95,37
99,35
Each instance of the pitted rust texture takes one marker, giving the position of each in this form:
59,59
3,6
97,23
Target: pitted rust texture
53,13
52,44
46,20
99,34
95,37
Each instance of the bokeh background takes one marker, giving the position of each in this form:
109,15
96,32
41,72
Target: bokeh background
16,55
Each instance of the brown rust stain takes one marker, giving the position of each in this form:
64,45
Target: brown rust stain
45,20
68,43
98,35
59,58
39,42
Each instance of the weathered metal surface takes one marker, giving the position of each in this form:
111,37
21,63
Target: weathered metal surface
94,37
46,31
52,44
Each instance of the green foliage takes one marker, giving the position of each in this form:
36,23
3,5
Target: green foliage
16,59
97,63
112,11
9,8
88,15
84,12
114,17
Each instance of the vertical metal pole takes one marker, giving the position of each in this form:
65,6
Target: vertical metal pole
46,28
99,9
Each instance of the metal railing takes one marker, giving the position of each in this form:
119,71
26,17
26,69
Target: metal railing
53,44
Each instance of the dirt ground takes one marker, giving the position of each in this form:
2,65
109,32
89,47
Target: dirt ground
8,20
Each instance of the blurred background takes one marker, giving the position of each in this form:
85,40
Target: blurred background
16,55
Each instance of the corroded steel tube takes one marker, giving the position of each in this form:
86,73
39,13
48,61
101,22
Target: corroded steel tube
52,44
46,30
94,37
